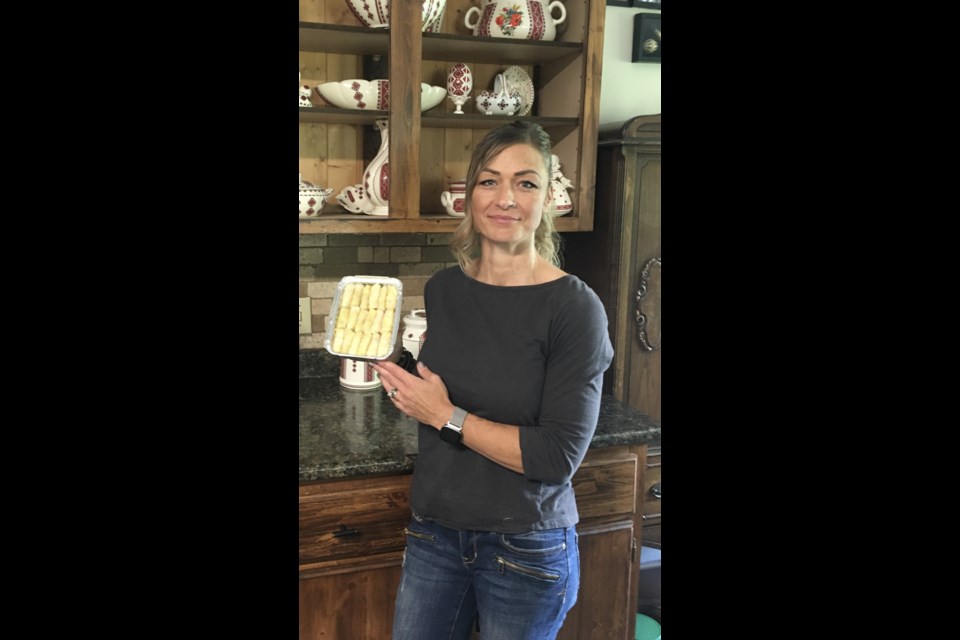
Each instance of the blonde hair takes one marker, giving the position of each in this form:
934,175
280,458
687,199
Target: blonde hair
465,243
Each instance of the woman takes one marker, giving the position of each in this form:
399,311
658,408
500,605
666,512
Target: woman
510,376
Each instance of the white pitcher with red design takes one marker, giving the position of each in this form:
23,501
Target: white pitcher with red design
521,19
376,177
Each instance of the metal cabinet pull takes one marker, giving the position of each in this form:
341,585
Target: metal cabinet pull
655,491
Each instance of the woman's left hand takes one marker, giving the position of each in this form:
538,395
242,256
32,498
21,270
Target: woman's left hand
423,398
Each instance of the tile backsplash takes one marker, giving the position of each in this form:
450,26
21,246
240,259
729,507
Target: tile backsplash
325,258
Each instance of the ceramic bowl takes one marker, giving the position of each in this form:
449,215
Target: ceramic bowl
376,13
498,104
356,94
431,96
311,198
373,94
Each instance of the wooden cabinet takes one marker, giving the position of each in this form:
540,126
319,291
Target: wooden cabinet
651,498
607,490
351,551
621,259
428,149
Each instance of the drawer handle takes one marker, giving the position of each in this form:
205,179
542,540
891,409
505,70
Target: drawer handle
655,491
343,532
652,516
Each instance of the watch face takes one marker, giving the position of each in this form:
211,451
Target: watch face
450,435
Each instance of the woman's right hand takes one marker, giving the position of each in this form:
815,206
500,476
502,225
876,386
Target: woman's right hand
423,398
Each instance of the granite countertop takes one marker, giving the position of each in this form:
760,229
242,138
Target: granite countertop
346,433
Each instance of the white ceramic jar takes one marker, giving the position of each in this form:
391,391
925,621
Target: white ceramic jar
414,331
358,374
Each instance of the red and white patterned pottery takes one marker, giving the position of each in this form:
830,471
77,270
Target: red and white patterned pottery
521,19
455,199
311,198
459,85
376,177
562,203
376,13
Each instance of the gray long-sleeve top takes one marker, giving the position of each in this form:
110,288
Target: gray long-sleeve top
531,356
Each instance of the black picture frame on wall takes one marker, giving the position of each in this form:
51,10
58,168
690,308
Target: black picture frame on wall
637,4
646,37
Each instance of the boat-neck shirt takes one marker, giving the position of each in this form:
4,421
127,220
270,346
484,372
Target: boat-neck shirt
531,356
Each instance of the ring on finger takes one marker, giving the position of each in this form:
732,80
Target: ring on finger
392,393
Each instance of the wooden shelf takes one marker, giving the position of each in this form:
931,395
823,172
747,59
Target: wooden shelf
457,48
343,39
438,119
436,46
358,223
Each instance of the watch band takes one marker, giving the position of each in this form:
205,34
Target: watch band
452,432
459,415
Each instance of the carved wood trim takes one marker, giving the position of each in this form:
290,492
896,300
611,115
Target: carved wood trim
641,316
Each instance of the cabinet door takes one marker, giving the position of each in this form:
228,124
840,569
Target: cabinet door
651,499
605,609
354,606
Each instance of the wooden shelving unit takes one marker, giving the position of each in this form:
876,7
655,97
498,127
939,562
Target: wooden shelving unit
429,148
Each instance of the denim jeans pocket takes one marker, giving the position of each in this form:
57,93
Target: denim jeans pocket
419,530
535,543
534,554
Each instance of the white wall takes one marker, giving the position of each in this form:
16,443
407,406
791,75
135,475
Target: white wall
627,88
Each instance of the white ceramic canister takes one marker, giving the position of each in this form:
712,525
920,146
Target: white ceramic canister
358,374
414,331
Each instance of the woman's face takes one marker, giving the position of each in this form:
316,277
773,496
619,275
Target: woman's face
509,196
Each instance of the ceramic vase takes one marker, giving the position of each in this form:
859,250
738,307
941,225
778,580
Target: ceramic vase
376,177
459,85
520,19
562,203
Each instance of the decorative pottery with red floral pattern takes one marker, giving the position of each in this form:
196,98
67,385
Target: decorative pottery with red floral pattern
521,19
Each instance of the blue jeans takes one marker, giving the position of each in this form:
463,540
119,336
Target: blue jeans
521,585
